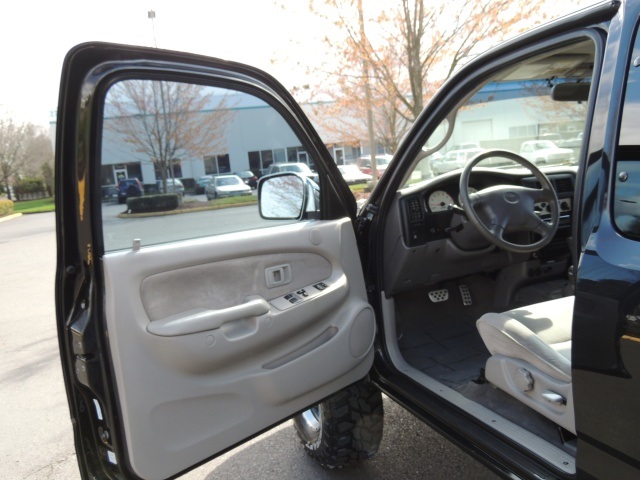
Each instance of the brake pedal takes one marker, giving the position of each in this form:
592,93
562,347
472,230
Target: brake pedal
437,296
465,293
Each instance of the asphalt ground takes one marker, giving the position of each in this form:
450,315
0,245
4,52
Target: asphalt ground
36,440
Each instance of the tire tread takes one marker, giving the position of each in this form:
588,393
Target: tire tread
352,425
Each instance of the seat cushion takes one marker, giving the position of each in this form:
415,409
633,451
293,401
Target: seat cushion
539,334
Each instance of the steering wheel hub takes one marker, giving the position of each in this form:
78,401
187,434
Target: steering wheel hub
511,197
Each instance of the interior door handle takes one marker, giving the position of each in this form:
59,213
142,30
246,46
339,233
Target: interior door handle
202,320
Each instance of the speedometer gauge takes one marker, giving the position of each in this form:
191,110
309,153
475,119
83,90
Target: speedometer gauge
439,201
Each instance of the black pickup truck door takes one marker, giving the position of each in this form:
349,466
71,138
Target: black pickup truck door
606,332
183,335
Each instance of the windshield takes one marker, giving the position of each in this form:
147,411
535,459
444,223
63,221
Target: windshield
543,145
226,181
516,111
296,168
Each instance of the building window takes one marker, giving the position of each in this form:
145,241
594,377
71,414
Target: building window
267,158
254,162
523,131
297,155
224,165
214,164
259,161
279,155
134,170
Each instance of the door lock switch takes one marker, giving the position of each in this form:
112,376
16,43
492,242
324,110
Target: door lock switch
290,299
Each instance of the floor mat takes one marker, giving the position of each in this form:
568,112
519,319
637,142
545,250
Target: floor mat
441,339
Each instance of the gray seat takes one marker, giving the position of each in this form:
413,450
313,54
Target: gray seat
531,356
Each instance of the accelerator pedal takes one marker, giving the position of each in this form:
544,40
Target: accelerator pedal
437,296
465,293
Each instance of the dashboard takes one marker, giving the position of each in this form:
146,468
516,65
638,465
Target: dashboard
428,214
428,239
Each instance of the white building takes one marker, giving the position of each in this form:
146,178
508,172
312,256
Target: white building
257,135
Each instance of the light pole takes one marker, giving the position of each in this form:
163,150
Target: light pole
152,15
367,94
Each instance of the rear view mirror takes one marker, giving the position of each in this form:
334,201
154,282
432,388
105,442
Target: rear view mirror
571,92
281,196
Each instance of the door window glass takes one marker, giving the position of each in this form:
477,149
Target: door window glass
164,134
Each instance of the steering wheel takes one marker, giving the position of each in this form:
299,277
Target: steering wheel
503,209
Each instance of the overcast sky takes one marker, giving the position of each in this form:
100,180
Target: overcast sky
35,35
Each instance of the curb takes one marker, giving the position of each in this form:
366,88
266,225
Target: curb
9,217
182,211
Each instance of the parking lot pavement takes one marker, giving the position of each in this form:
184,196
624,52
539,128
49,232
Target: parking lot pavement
36,440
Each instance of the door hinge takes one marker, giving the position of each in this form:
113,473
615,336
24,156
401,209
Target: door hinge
83,347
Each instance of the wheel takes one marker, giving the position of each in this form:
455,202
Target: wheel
508,208
345,429
208,197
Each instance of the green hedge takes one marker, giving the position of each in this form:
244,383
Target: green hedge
6,207
30,185
153,203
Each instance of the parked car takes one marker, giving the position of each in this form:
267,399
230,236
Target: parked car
129,187
545,152
174,185
352,174
301,168
249,178
465,146
453,160
226,186
201,183
499,306
382,162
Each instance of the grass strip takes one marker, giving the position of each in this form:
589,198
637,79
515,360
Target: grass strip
35,206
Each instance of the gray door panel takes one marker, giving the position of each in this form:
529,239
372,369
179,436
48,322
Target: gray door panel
258,353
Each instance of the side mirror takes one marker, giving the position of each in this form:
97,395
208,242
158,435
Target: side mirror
282,196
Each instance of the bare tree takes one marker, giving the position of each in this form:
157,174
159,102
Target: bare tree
411,47
38,152
164,121
23,149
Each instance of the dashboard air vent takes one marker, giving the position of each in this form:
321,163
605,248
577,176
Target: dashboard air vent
414,209
563,184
